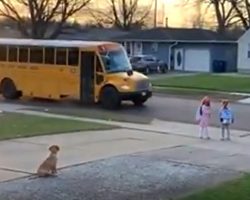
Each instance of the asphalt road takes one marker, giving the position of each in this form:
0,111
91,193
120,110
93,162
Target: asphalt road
183,110
161,107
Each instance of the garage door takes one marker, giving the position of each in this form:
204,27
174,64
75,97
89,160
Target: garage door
197,60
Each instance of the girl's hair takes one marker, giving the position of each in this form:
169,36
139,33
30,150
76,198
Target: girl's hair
225,102
206,101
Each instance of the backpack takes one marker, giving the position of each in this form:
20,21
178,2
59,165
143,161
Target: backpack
198,114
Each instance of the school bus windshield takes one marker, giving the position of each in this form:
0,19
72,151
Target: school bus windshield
116,60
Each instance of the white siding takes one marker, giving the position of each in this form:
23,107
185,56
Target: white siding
243,60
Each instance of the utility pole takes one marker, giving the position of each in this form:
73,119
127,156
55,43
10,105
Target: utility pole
155,13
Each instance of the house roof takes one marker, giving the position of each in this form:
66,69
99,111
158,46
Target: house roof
246,34
174,34
94,34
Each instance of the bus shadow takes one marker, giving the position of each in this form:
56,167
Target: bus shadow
40,102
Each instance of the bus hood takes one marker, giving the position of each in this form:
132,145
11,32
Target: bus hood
129,83
136,76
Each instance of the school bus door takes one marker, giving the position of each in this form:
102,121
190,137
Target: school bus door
87,77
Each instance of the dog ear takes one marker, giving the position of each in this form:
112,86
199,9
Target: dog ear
56,147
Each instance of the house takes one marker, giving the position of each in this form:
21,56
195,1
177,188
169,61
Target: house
243,61
184,49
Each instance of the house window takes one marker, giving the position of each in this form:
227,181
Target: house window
154,47
137,48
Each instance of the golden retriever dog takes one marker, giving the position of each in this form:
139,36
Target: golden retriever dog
48,167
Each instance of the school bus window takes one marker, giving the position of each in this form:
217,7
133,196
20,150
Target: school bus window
61,56
23,54
36,55
73,57
12,54
98,65
50,55
3,53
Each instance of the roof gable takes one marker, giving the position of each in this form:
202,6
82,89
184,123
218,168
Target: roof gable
245,35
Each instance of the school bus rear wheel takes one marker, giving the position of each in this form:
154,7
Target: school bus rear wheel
9,90
110,98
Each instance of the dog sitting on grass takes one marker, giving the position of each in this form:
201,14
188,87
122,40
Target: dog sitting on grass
48,167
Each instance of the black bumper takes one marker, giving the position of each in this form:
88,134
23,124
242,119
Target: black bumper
132,95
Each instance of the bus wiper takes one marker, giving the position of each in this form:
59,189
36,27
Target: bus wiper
116,71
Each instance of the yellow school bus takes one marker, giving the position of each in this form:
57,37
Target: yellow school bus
92,72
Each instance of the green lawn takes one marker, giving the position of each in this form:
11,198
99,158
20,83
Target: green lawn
234,190
206,82
19,125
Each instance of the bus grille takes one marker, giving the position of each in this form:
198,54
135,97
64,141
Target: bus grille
143,85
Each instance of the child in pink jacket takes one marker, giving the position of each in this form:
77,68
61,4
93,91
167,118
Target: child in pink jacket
203,116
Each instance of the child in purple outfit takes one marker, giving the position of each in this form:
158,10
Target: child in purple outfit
203,116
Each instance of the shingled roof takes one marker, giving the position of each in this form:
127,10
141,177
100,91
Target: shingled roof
173,34
97,34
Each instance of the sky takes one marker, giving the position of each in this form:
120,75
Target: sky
166,8
177,14
173,10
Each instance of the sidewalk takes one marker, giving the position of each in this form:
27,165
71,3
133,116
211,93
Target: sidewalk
156,126
77,148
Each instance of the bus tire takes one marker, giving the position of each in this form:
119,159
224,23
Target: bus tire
139,101
110,98
8,89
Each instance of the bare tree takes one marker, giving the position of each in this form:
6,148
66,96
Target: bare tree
242,8
198,15
198,18
124,14
224,14
40,19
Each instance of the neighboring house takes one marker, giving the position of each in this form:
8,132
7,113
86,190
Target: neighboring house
243,61
184,49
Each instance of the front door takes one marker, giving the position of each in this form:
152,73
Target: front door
178,59
87,85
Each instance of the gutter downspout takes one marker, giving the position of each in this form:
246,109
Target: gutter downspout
170,53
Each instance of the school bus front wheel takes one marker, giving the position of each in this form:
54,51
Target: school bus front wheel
110,98
139,101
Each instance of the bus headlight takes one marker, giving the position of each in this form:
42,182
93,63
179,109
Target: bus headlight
125,87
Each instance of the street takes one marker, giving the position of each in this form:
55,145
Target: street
162,107
183,110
